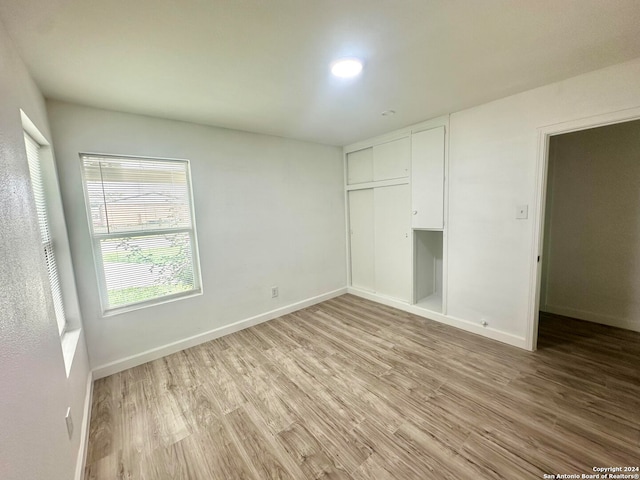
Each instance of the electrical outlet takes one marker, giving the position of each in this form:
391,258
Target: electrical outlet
274,292
69,420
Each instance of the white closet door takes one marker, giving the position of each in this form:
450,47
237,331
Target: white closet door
427,179
391,159
392,241
361,225
360,166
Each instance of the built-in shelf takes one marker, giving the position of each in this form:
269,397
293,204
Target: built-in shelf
428,275
432,303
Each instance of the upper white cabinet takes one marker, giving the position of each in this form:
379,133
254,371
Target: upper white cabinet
360,166
391,160
427,179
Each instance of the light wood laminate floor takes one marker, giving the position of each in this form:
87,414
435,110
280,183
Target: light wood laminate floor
349,389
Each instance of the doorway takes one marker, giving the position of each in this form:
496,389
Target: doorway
588,223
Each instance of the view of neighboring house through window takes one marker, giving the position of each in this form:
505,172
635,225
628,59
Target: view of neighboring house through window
143,229
37,183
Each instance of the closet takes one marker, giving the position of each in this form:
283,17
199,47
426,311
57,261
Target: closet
392,249
427,178
361,229
379,201
395,189
427,203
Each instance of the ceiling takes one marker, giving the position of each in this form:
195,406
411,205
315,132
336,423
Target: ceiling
263,65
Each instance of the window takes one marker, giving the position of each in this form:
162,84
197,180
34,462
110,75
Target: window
37,183
143,229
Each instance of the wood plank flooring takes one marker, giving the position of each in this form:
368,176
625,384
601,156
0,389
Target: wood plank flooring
349,389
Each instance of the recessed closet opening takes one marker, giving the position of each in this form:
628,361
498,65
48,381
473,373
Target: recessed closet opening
428,274
590,262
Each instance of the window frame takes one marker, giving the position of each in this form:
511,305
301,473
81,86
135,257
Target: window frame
95,239
47,245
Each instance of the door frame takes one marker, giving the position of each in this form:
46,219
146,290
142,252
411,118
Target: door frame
542,168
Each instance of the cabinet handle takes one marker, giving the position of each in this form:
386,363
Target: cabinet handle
415,212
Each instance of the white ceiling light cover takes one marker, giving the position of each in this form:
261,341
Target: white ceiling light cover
346,67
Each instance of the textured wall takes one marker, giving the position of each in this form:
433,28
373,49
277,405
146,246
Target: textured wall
34,388
492,169
269,211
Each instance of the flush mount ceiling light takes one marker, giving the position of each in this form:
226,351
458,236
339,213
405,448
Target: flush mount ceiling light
346,67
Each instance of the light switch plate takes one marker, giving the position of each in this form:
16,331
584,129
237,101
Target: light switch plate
522,212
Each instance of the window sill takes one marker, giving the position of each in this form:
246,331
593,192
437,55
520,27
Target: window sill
150,303
69,342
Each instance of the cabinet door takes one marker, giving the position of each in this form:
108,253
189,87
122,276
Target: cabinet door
393,242
427,178
391,160
361,229
360,166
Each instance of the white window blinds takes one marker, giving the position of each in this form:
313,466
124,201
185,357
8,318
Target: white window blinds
37,183
143,228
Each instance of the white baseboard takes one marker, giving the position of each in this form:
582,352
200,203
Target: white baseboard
159,352
593,317
466,325
84,429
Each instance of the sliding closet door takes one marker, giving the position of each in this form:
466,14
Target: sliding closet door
361,226
392,207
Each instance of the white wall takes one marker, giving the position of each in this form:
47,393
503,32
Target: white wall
269,211
492,169
592,235
35,390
